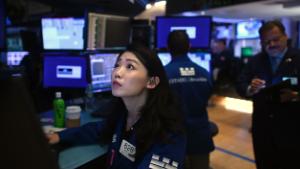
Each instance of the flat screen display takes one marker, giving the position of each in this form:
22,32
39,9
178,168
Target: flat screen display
63,33
200,58
107,31
249,29
223,32
101,66
198,29
14,58
247,51
65,71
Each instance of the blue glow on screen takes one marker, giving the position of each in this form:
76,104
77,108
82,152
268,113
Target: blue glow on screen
198,29
65,71
14,58
247,30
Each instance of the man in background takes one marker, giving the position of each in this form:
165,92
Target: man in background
275,119
221,64
192,86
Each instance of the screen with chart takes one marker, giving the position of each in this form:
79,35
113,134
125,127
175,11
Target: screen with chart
63,33
101,66
107,31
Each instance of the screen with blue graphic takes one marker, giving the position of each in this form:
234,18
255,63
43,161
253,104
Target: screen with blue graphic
101,66
63,33
200,58
65,71
14,58
198,29
248,29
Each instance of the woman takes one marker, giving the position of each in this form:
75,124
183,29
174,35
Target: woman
144,129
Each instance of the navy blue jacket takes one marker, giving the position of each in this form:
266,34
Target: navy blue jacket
192,85
270,117
160,154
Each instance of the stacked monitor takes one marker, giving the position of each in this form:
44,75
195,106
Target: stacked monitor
107,31
101,66
246,52
198,29
200,58
248,29
14,58
63,33
65,70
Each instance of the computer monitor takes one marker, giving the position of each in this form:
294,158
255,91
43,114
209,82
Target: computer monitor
248,29
223,32
63,33
101,66
65,70
246,52
200,58
107,31
198,29
14,58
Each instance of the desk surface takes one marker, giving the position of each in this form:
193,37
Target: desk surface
74,157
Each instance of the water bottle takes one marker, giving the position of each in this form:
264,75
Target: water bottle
89,99
59,111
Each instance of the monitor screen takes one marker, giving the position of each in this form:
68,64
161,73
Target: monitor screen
63,33
246,30
65,71
14,58
107,31
246,51
101,65
198,29
223,32
200,58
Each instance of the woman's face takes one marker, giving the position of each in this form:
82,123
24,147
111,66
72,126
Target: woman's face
129,77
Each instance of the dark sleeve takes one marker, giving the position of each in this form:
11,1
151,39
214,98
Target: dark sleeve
86,134
244,79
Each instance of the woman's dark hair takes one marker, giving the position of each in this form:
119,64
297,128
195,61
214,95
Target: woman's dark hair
178,42
159,116
24,143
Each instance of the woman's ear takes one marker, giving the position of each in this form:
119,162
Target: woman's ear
153,82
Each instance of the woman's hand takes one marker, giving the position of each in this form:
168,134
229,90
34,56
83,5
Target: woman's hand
53,138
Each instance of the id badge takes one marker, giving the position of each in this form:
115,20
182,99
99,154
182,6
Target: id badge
127,150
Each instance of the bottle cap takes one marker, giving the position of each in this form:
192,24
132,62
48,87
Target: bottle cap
58,94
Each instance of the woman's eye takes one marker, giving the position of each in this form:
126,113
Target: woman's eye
130,66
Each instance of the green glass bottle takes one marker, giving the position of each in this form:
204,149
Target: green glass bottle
59,111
